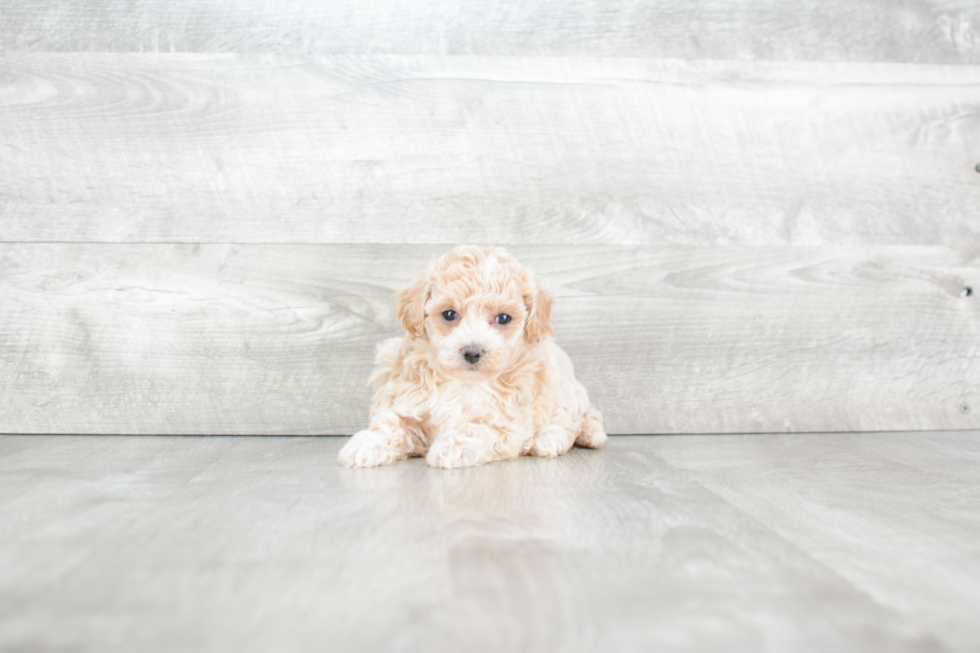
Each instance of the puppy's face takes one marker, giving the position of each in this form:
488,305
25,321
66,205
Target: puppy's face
476,328
478,309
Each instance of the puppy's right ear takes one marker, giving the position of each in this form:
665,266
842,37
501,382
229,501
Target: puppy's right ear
411,305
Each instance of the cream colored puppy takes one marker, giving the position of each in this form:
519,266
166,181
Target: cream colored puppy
478,377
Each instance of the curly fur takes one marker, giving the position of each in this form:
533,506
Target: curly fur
520,397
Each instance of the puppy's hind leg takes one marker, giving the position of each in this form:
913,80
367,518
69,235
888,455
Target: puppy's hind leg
591,433
388,440
551,441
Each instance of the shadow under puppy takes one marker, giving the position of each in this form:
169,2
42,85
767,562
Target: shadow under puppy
478,377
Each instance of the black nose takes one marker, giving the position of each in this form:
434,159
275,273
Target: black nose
472,354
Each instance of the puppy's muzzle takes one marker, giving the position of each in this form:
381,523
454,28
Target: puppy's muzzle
472,354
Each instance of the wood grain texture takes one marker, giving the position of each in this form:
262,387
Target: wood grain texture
841,498
279,339
512,150
778,543
937,31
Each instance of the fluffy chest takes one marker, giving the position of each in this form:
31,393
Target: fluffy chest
459,401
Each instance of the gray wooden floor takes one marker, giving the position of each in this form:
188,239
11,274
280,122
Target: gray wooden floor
767,542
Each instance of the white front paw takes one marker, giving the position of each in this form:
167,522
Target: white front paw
551,441
369,449
451,451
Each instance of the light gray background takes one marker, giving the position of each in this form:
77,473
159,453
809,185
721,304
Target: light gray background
755,216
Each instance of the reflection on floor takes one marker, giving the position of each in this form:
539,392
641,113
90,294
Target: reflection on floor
840,542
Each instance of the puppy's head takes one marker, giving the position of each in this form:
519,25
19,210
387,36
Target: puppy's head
478,309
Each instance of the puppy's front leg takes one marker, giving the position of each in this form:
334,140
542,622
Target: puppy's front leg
388,440
472,444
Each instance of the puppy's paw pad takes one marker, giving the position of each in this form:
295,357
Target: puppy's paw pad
368,449
449,453
551,442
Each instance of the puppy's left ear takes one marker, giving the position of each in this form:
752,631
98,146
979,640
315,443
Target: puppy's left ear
411,305
538,326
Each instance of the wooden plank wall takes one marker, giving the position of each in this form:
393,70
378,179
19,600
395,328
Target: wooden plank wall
755,216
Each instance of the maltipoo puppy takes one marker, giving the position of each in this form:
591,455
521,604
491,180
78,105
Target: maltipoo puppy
478,377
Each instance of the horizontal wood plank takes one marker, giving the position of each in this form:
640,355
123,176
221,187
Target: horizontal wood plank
279,339
511,150
938,31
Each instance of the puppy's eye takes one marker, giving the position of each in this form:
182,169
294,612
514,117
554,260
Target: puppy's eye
502,319
449,316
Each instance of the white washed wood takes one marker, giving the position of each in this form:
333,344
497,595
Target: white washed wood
726,543
937,31
279,339
841,499
512,150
